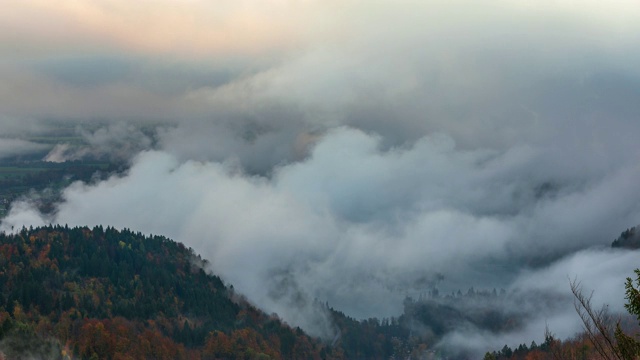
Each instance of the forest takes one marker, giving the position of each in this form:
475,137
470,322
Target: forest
108,294
42,181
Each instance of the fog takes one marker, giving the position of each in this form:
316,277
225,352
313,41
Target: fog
346,151
12,147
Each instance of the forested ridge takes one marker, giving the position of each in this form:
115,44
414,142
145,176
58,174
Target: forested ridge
110,294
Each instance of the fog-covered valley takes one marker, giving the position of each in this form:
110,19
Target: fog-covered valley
350,153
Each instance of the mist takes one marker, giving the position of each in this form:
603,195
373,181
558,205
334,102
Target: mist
13,147
350,151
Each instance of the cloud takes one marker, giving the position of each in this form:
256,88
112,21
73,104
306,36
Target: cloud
117,142
541,299
356,221
163,27
484,73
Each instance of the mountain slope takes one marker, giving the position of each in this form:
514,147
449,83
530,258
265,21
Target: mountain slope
109,294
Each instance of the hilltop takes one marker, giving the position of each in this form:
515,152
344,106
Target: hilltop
110,294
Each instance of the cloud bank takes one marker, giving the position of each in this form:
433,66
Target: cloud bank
354,222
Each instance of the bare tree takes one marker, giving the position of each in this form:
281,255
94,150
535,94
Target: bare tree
599,324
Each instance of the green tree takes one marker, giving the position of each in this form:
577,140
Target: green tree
628,346
489,356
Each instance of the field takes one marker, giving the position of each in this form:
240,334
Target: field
14,172
29,176
53,140
42,181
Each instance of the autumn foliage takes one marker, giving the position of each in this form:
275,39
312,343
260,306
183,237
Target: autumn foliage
108,294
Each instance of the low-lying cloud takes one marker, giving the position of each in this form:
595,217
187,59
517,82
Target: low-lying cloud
117,142
353,221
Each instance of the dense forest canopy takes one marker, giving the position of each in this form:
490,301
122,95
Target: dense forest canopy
113,294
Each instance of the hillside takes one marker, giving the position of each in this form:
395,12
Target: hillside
629,239
109,294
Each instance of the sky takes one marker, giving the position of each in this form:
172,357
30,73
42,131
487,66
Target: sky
346,151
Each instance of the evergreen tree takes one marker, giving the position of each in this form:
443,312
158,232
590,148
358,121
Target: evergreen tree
629,347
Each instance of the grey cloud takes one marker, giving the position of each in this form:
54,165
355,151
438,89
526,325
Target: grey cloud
117,142
502,77
86,71
256,141
15,127
156,76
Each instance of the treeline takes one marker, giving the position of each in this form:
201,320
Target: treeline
628,239
373,338
424,321
580,347
109,294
